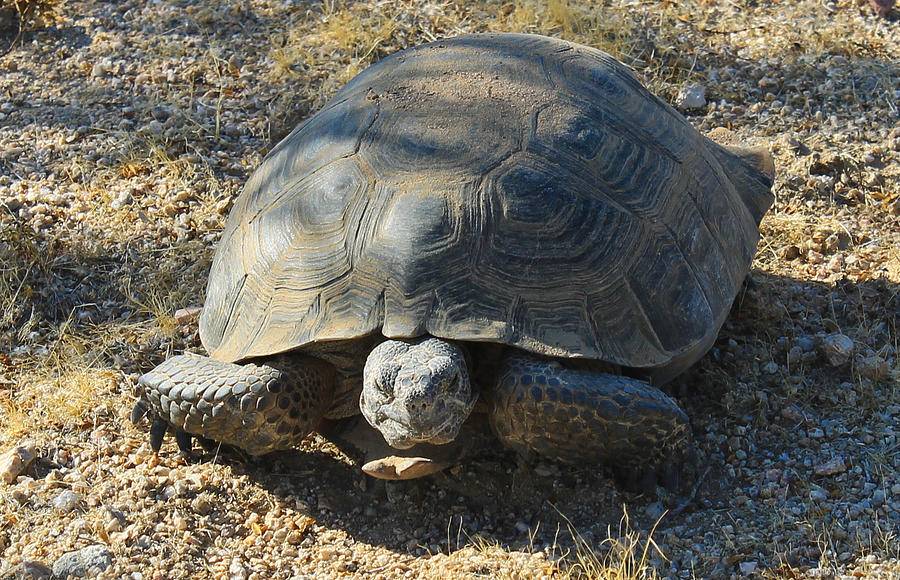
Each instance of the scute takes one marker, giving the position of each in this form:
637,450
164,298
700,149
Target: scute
497,187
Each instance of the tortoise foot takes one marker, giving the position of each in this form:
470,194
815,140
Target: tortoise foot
255,408
577,416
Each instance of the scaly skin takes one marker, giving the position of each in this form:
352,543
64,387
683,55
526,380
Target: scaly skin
576,416
257,408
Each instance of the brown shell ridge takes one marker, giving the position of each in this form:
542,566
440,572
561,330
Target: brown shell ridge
561,217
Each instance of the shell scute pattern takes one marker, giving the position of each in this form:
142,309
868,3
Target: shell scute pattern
547,201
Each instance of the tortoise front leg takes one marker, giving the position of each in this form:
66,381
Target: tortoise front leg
577,416
259,408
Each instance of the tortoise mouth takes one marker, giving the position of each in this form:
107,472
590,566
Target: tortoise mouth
400,435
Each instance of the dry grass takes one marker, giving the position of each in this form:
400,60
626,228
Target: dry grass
18,16
625,554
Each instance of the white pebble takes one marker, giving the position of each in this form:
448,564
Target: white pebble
692,96
66,501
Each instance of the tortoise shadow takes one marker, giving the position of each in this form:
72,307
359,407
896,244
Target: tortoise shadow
490,498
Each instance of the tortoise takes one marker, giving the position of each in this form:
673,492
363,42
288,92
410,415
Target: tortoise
505,218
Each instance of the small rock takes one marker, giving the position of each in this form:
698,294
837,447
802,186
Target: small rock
186,315
806,343
29,570
791,252
161,113
655,510
82,562
770,368
66,501
115,520
831,467
837,348
692,96
100,68
793,413
236,571
817,494
874,368
122,200
201,505
15,461
748,568
11,204
233,130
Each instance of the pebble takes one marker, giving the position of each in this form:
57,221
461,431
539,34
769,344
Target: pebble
15,461
83,562
66,501
692,96
28,570
874,367
237,571
816,433
655,510
748,568
186,315
122,200
831,467
806,343
837,348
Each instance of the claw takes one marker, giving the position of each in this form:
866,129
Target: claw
139,411
184,441
157,432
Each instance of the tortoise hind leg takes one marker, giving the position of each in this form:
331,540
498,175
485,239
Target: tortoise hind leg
579,416
258,408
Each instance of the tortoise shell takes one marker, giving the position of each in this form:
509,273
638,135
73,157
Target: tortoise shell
505,188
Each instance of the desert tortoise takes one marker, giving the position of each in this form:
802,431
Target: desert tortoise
504,214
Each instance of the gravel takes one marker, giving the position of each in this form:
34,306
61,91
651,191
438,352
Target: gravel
126,131
88,561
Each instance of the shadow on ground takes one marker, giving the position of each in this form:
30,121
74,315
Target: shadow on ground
493,497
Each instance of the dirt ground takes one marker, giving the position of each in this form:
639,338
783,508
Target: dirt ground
128,128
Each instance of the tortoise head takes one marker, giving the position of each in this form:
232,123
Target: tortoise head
417,391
